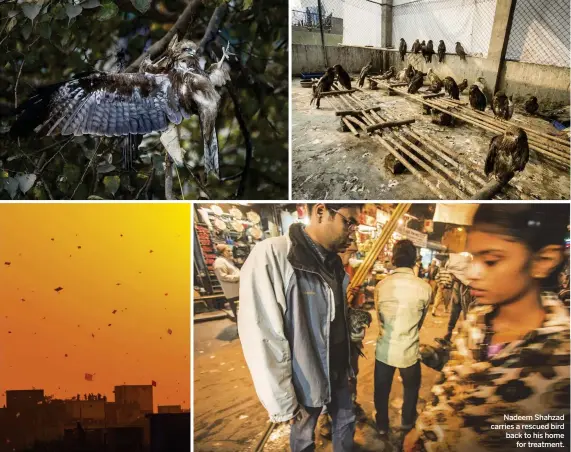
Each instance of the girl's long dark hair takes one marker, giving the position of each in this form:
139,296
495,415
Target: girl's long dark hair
535,225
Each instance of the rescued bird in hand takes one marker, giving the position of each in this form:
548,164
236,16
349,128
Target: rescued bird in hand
477,98
429,51
402,49
416,82
415,46
323,85
502,106
441,51
364,73
389,74
343,77
531,106
435,82
120,104
463,85
460,51
451,88
507,154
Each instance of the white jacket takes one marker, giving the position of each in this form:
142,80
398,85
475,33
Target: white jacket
229,277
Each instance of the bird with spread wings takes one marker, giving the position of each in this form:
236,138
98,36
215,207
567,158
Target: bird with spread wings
119,104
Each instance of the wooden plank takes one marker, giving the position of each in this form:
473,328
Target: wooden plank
335,93
433,95
356,112
383,125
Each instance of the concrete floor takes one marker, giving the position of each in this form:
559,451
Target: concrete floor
228,415
330,164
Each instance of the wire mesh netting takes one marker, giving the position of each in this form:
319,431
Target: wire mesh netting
540,32
466,21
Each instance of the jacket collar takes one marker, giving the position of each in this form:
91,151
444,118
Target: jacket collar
304,253
404,270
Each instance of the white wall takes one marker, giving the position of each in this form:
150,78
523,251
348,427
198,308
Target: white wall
467,21
361,23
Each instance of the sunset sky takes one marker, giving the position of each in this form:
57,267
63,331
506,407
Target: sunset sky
134,259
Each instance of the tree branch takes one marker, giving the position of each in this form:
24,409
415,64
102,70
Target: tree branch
216,21
180,26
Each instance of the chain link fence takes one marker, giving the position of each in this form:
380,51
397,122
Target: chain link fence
466,21
540,32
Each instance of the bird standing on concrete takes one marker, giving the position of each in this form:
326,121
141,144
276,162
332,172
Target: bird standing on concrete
364,73
441,51
502,106
477,98
323,85
460,51
416,82
463,85
507,154
435,82
402,49
429,51
415,46
451,88
389,74
531,106
343,76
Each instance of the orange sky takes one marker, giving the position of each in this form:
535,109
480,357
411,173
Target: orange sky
39,326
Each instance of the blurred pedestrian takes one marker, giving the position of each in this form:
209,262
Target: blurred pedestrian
228,275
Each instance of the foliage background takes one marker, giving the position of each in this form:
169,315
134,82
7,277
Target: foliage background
67,37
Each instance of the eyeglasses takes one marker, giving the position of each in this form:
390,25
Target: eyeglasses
349,223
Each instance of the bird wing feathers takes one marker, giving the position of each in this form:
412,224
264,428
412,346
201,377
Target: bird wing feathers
492,152
109,104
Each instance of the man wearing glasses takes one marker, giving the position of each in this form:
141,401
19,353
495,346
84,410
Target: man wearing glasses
293,325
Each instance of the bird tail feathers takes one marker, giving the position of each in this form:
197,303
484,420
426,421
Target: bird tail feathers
211,154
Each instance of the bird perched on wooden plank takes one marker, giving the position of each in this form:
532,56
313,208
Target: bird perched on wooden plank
435,82
477,98
451,88
502,106
463,85
323,85
507,154
410,72
460,51
402,49
415,46
373,85
441,51
364,73
120,104
416,83
389,74
531,106
342,76
429,51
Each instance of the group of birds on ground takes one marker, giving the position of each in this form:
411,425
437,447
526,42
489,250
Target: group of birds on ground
427,50
501,104
508,153
325,83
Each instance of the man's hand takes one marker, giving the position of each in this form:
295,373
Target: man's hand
410,443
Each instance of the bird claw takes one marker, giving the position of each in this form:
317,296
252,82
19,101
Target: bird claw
225,54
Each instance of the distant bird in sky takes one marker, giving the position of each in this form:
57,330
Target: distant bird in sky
119,104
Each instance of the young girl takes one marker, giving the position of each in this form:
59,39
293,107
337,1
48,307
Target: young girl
510,359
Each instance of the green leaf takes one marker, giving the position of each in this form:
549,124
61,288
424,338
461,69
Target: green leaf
247,4
72,173
73,11
59,12
89,4
104,168
141,5
25,182
31,10
11,186
111,184
45,30
11,24
26,31
107,11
